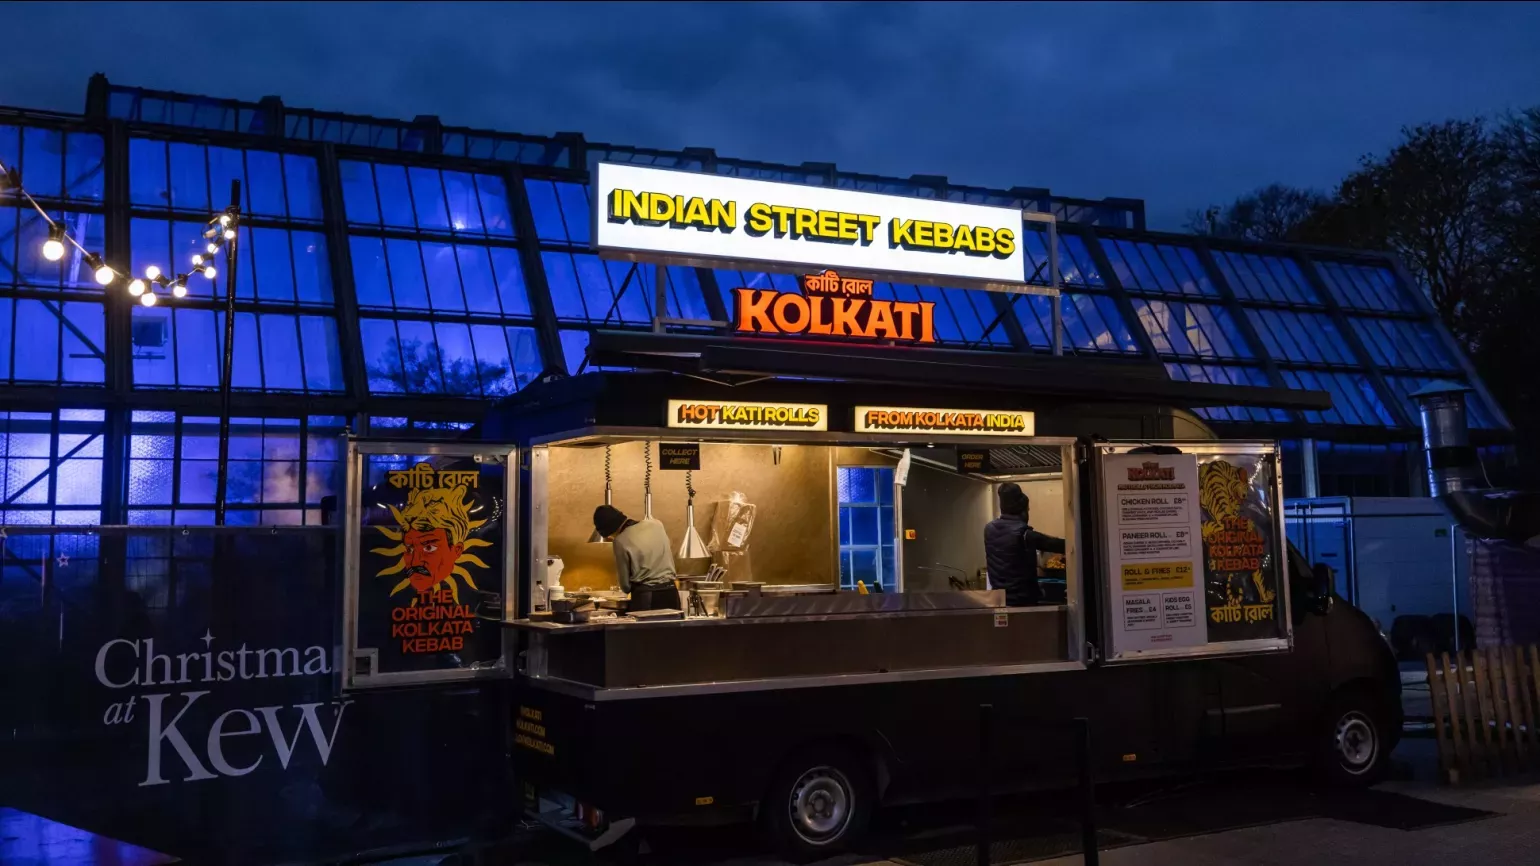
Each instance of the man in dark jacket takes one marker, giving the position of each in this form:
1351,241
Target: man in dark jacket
1011,546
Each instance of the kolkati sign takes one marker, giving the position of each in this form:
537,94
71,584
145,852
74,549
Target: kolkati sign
678,215
833,306
885,419
724,415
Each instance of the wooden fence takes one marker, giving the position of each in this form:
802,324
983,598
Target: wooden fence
1486,712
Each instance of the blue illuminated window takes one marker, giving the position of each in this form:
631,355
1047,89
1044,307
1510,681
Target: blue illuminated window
1157,268
561,210
1365,287
280,468
587,288
1477,414
183,347
405,356
1303,337
574,348
274,265
51,342
425,199
1215,374
1265,278
1403,344
1191,330
54,164
196,178
1076,267
1092,323
403,275
1361,469
51,467
22,233
866,526
1353,398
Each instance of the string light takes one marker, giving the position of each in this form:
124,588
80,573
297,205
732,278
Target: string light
220,229
53,248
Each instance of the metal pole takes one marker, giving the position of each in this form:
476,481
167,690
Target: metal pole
986,726
660,298
1053,276
1089,853
227,371
1454,579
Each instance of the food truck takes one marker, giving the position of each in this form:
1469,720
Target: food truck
839,637
823,474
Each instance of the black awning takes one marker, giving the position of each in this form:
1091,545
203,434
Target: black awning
1068,378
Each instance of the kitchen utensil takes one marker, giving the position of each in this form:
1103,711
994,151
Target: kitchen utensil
692,547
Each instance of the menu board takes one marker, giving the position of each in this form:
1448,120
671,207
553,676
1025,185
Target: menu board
1154,552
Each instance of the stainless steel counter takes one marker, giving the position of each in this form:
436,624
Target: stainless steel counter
627,623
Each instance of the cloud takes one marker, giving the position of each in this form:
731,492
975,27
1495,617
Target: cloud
1180,104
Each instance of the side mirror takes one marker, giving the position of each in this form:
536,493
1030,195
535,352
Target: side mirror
1324,582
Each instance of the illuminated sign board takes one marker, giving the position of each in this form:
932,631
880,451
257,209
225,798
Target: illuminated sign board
724,415
973,422
686,217
832,306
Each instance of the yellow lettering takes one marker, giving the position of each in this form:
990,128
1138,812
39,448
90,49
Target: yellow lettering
985,237
782,218
1005,243
828,224
943,235
924,234
964,239
848,230
806,222
695,213
868,226
724,215
900,233
759,220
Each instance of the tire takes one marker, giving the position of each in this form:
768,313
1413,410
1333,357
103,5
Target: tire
1354,747
819,803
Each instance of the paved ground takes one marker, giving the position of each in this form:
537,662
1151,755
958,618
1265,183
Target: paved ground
1267,819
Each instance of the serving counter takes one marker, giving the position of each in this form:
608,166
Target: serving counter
920,635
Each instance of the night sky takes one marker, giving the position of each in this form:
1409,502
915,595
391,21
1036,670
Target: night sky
1181,105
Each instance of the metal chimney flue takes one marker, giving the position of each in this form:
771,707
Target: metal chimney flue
1456,478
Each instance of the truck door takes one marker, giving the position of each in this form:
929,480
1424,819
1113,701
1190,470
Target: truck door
1269,702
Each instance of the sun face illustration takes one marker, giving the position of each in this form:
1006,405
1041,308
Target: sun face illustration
433,534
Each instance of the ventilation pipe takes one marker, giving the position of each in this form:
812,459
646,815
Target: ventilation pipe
1455,476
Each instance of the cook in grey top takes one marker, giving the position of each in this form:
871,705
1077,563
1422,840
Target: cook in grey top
643,557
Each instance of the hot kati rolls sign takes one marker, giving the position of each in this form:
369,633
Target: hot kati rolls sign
725,415
683,216
978,422
1153,552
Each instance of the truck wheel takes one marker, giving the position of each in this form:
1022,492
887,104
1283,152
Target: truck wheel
820,802
1356,748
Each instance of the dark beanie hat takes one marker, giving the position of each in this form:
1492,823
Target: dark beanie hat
608,520
1012,500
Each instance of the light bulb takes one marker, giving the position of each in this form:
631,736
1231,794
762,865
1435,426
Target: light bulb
208,271
104,275
53,248
148,299
136,288
229,234
151,272
197,260
213,248
224,219
178,290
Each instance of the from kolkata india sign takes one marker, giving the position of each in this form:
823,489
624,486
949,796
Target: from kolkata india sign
431,565
678,216
723,415
977,422
1153,555
833,306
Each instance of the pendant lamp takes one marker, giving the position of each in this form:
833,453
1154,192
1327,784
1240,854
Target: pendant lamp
692,547
609,496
